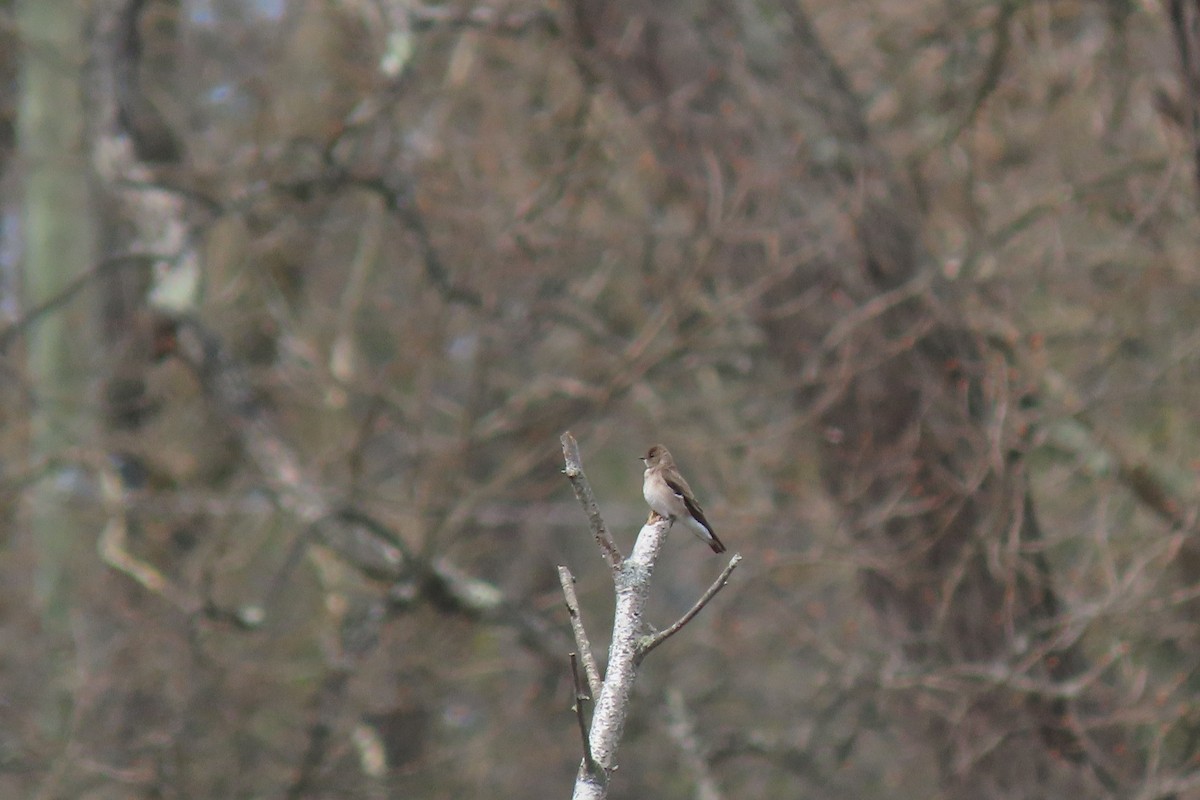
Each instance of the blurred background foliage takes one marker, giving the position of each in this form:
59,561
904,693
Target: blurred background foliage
909,288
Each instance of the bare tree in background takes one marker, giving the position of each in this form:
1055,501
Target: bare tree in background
916,279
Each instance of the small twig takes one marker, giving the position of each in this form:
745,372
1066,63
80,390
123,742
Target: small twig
9,333
583,646
328,701
423,18
114,540
648,643
580,698
583,491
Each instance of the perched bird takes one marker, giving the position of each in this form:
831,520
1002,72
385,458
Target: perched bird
669,495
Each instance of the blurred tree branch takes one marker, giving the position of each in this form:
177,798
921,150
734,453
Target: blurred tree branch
682,727
438,581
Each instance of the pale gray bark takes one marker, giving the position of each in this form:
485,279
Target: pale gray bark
624,654
630,641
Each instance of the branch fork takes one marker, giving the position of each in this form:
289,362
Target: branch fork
630,644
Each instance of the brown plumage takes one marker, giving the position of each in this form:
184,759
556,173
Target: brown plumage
669,495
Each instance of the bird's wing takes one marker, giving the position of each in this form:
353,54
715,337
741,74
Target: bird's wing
681,488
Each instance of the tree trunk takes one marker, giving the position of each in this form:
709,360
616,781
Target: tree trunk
58,251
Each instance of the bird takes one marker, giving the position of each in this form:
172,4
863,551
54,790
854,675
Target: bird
669,495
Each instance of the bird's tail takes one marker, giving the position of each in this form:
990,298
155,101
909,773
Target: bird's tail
715,543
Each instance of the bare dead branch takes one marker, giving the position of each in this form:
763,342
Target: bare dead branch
583,491
648,643
581,697
632,577
584,647
612,704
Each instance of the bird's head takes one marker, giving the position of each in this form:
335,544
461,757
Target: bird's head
656,455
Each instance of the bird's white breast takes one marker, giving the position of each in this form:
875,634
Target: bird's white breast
660,497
